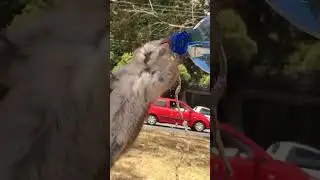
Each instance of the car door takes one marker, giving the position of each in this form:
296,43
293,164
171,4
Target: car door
162,110
187,111
176,114
171,112
279,170
240,156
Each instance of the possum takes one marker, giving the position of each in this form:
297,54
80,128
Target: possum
151,72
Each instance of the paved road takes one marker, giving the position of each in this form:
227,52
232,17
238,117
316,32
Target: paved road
167,127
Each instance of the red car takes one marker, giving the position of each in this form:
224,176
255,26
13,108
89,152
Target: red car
165,110
249,161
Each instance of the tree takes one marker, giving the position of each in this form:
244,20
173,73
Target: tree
124,59
8,10
185,76
135,23
205,80
240,48
312,58
296,58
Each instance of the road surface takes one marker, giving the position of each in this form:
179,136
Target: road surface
167,127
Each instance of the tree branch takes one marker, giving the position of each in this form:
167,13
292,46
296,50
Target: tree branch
218,89
156,16
151,5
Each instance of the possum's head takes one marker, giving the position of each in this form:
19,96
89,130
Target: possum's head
155,62
152,71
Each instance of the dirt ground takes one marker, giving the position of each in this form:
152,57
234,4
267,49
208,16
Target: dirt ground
155,156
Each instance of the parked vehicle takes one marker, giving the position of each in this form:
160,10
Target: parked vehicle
165,110
249,161
203,110
304,156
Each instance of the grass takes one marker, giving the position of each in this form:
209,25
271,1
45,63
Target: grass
154,156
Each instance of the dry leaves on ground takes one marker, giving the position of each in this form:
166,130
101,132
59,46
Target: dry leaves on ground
154,156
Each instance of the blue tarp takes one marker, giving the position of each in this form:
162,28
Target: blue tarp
304,14
203,65
201,60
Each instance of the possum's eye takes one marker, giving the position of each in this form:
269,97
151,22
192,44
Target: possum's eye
153,72
163,51
147,69
147,57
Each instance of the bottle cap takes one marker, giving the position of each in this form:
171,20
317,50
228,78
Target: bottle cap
179,42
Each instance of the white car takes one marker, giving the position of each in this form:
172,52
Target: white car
203,110
304,156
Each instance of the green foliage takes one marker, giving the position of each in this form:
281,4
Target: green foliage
312,58
282,48
273,36
205,80
124,59
8,10
240,48
33,8
133,24
231,23
38,5
185,76
295,60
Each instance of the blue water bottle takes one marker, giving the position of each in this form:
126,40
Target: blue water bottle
195,43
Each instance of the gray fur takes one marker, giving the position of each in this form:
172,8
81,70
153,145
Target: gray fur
135,86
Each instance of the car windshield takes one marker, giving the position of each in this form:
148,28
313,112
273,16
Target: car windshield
304,158
205,111
233,146
173,105
160,103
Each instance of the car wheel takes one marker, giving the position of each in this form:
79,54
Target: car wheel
152,120
198,126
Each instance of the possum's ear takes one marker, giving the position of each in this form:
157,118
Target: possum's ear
139,55
163,51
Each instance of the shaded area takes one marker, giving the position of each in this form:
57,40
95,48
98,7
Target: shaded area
283,109
277,108
273,75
